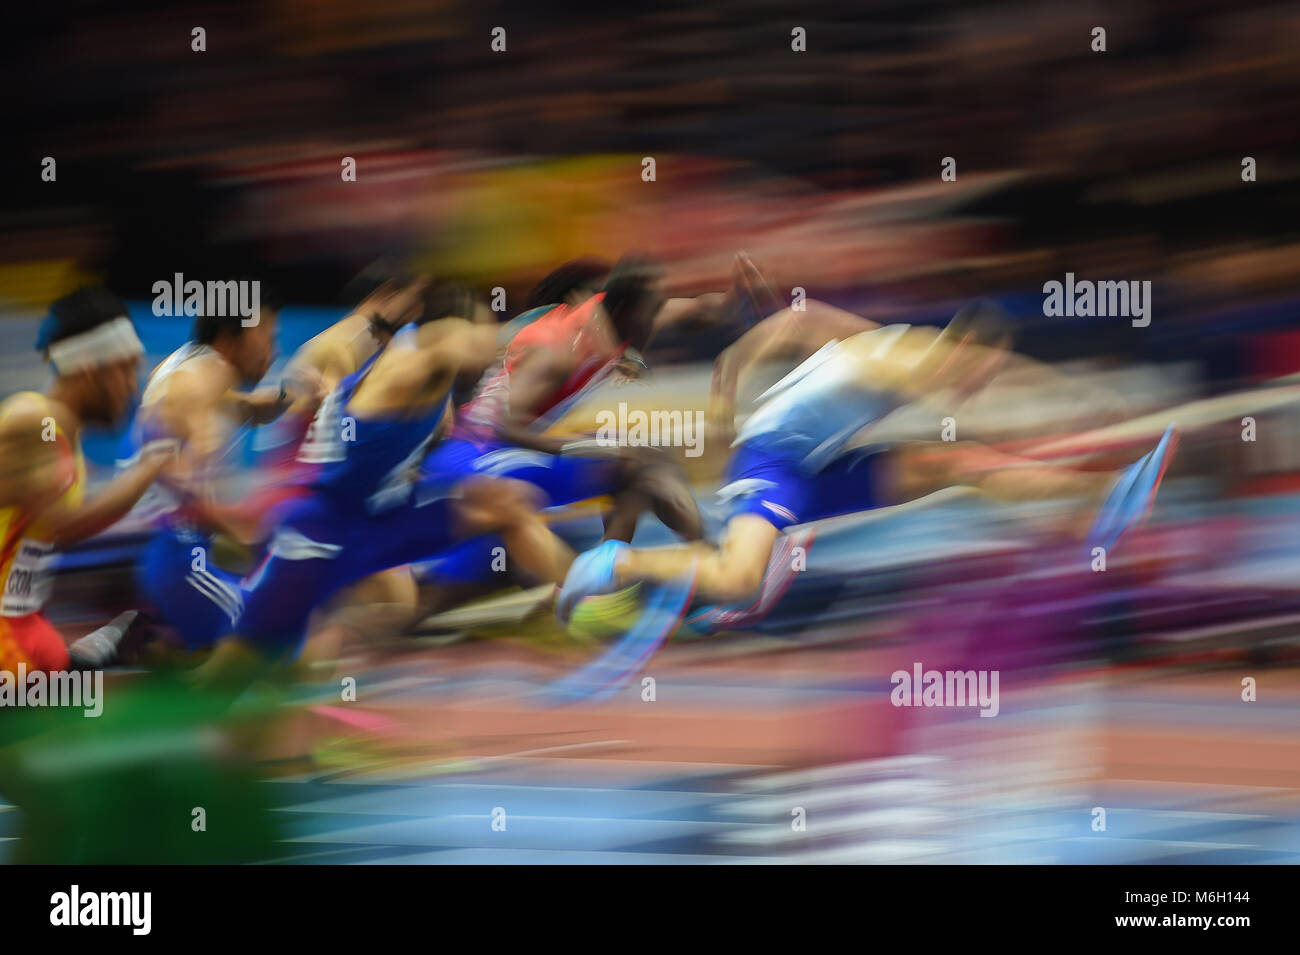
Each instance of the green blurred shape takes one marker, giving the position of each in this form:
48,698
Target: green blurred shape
122,788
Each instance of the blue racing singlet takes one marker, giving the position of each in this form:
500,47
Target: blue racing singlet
809,416
370,460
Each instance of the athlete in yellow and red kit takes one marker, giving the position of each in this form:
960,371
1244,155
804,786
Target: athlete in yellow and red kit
93,351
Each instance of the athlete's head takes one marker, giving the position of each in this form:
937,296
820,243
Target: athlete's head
247,344
571,284
979,339
452,300
91,343
388,294
633,297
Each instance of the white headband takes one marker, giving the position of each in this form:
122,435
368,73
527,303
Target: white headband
103,345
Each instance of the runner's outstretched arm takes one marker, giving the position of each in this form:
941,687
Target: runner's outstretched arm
747,283
36,481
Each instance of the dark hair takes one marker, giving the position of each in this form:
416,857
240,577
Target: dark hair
270,296
446,299
568,278
88,307
984,322
374,277
387,271
631,283
208,328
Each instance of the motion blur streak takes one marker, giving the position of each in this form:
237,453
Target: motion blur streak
910,159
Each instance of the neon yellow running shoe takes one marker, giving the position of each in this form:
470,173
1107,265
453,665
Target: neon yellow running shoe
606,615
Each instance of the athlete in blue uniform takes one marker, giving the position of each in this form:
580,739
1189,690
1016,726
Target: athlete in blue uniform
554,362
192,396
371,507
793,462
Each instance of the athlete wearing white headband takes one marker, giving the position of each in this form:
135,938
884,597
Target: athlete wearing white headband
94,350
114,341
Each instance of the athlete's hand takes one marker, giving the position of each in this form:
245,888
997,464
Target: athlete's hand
750,284
628,369
307,385
161,455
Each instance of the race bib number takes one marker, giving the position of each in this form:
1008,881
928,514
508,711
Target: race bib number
323,442
30,579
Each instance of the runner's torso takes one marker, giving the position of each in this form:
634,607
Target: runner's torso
164,504
288,444
370,461
561,329
810,415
